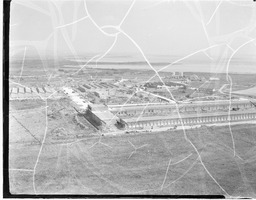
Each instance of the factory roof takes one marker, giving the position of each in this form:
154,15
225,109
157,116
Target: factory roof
34,89
15,90
185,116
47,89
21,90
102,112
173,105
105,115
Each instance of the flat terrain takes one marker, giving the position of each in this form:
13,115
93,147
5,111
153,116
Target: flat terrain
50,152
249,92
149,163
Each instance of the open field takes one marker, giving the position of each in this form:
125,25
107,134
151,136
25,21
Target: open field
30,120
247,92
138,164
26,104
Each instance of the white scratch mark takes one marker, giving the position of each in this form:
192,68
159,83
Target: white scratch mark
214,12
208,55
230,88
40,151
230,48
182,160
142,112
100,29
183,173
74,22
135,148
166,173
85,64
127,13
109,49
22,66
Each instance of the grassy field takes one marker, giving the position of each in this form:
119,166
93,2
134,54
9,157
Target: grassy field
150,163
26,104
249,92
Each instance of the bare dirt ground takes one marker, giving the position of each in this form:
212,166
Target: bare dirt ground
50,154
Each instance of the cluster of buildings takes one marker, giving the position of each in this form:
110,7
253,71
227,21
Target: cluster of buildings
20,93
114,92
121,109
157,115
104,90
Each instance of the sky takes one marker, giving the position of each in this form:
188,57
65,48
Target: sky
159,29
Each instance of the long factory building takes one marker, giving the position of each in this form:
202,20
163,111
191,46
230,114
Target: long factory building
188,120
164,115
127,111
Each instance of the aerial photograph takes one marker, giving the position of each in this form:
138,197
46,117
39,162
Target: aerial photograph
132,97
